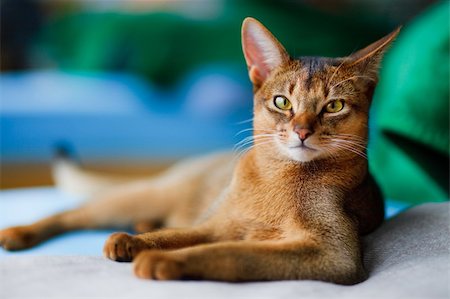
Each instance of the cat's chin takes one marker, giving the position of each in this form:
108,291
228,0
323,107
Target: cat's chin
301,153
297,152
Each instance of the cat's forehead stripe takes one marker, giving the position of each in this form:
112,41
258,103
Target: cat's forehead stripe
291,88
311,66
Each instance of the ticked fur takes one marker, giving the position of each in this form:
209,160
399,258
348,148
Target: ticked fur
292,207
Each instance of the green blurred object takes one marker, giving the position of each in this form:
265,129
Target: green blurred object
410,148
163,47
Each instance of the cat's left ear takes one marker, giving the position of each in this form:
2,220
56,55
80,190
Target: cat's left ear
263,52
367,61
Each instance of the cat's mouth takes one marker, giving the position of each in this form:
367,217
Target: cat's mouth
302,146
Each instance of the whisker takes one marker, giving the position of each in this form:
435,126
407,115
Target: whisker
327,150
335,72
351,78
349,139
244,140
245,150
250,139
351,149
242,131
361,151
251,129
245,145
244,121
350,135
256,136
350,142
355,152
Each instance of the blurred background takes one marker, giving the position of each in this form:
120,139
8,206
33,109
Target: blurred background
131,86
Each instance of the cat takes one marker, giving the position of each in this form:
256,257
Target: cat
293,206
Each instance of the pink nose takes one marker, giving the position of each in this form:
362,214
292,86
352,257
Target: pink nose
303,133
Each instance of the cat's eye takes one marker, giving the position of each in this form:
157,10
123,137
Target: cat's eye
282,103
334,106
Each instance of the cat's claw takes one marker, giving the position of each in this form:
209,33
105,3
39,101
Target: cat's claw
17,238
123,247
158,265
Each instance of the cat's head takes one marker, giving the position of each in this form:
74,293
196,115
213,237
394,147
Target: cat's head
312,107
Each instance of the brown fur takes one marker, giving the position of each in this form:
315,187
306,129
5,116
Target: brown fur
274,214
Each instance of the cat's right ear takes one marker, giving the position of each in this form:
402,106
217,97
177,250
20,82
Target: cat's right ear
262,51
367,61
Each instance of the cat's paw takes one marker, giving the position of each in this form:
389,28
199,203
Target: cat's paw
123,247
17,238
158,265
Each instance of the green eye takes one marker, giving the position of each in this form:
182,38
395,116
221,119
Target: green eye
282,103
334,106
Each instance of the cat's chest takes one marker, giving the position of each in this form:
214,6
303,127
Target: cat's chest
295,190
274,201
269,210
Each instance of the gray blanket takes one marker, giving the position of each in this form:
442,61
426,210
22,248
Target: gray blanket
408,257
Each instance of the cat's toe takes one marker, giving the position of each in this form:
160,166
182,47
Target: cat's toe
123,247
17,238
157,265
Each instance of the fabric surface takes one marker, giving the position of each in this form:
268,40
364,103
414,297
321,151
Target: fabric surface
408,257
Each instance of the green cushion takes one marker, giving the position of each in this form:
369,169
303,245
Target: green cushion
410,147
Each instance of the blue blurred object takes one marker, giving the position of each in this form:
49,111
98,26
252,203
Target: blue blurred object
120,116
393,207
210,94
21,206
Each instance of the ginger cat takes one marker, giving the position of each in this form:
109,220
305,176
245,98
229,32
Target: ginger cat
292,207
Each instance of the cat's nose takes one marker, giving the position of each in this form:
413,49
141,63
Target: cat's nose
303,133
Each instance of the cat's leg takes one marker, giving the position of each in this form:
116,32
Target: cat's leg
253,261
26,236
120,208
145,226
171,198
124,247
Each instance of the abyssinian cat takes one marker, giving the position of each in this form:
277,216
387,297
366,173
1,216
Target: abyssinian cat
292,207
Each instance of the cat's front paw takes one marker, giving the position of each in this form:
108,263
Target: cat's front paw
123,247
17,238
158,265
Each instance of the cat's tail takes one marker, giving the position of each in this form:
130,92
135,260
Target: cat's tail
70,177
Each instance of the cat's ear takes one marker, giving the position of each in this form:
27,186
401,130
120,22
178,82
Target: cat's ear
367,61
262,51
